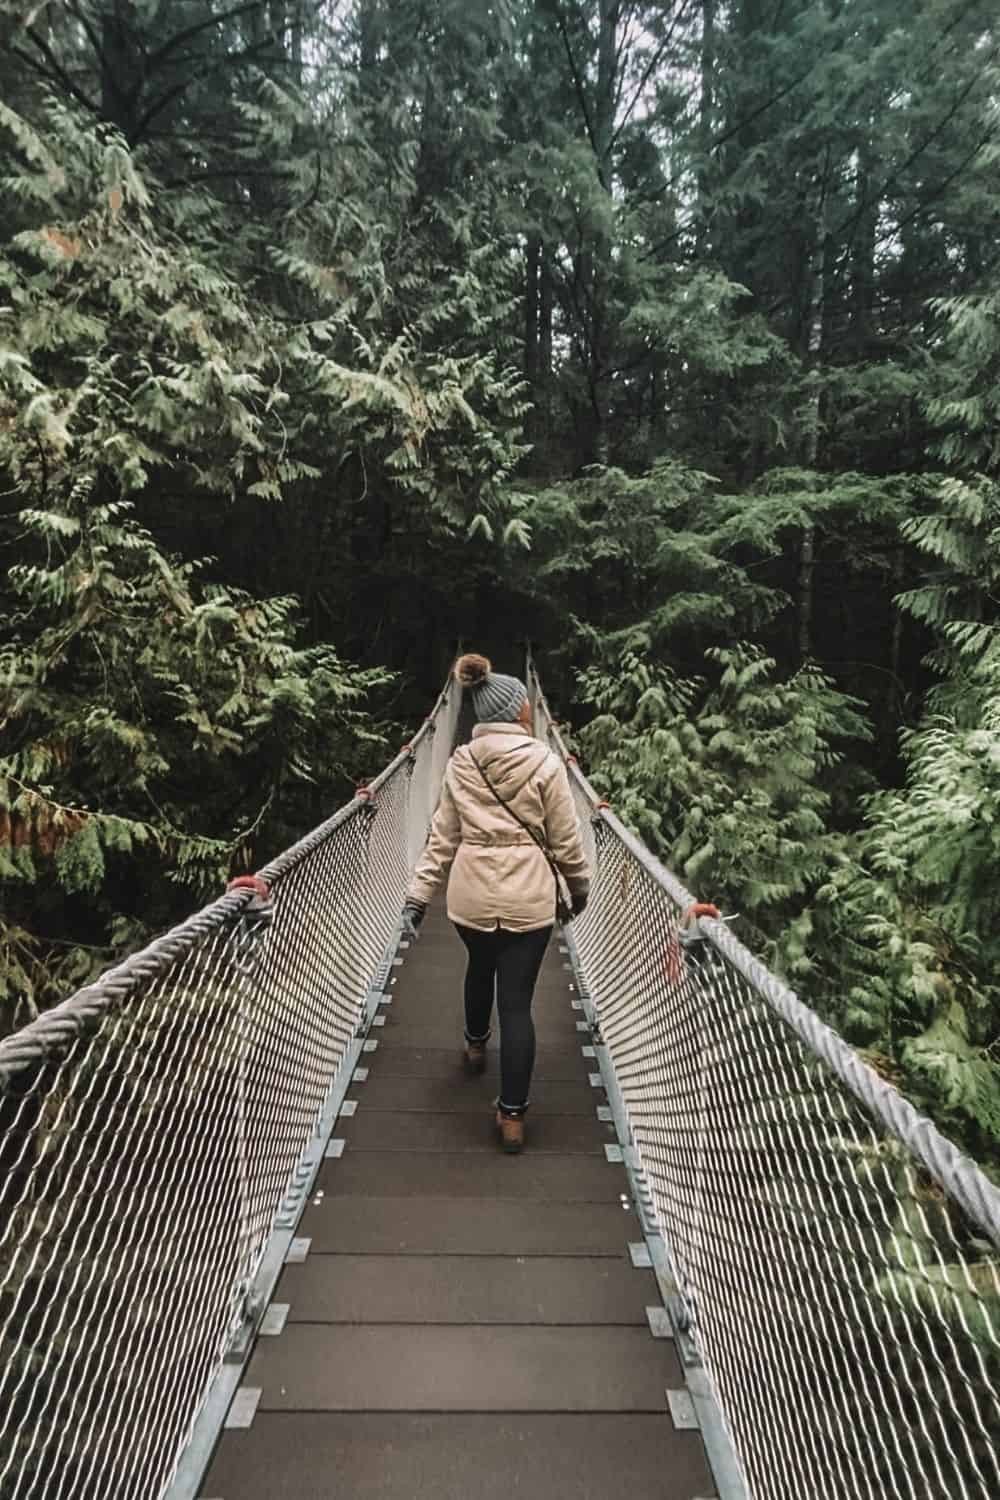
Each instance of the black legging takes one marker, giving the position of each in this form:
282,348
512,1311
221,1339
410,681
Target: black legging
506,963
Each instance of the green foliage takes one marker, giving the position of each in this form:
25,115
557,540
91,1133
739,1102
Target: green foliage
910,922
733,780
157,726
921,979
963,403
154,720
889,926
638,334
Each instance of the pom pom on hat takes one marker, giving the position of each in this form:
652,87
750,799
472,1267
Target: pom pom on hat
471,670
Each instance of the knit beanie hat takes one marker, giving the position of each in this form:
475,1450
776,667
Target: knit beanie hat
496,698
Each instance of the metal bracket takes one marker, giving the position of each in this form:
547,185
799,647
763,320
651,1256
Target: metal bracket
360,1075
659,1323
640,1256
244,1407
370,1046
614,1153
643,1195
274,1320
348,1108
297,1251
298,1189
682,1411
681,1321
335,1148
588,1051
241,1344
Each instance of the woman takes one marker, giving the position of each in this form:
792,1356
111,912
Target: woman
506,818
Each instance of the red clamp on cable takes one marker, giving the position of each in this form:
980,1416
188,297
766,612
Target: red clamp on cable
601,806
683,939
405,749
260,888
363,791
571,760
699,909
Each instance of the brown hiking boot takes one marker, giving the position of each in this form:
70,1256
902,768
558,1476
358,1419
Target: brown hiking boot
475,1057
511,1130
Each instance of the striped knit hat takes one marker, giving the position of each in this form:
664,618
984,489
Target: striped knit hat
496,698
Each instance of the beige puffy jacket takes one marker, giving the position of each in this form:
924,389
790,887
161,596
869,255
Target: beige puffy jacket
498,873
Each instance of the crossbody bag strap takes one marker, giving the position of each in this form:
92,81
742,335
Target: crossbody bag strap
538,837
563,906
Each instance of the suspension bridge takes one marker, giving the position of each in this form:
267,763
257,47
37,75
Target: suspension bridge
256,1239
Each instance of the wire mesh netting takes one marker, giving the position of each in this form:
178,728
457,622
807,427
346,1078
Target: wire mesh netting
149,1130
837,1261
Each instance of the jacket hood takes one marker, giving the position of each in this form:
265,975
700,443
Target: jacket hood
508,754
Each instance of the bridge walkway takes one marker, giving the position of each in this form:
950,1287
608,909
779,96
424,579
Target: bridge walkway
465,1325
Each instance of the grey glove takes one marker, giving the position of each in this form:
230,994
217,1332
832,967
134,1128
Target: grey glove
413,914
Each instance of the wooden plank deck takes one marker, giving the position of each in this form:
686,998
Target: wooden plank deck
467,1326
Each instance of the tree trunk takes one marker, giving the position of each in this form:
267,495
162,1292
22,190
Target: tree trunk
532,258
604,130
120,71
706,124
807,571
895,697
543,406
369,41
818,314
607,73
863,253
298,29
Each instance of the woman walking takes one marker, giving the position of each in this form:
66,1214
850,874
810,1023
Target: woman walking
507,827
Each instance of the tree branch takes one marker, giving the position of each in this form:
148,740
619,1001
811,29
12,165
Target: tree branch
577,79
157,107
56,70
647,74
229,173
852,220
190,32
945,183
95,41
314,194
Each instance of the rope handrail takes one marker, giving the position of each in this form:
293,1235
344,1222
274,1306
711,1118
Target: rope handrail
154,1131
834,1254
58,1027
304,847
825,1238
951,1168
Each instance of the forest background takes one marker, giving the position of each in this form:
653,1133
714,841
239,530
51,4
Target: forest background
663,335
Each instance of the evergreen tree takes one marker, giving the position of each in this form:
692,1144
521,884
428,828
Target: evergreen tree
662,333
